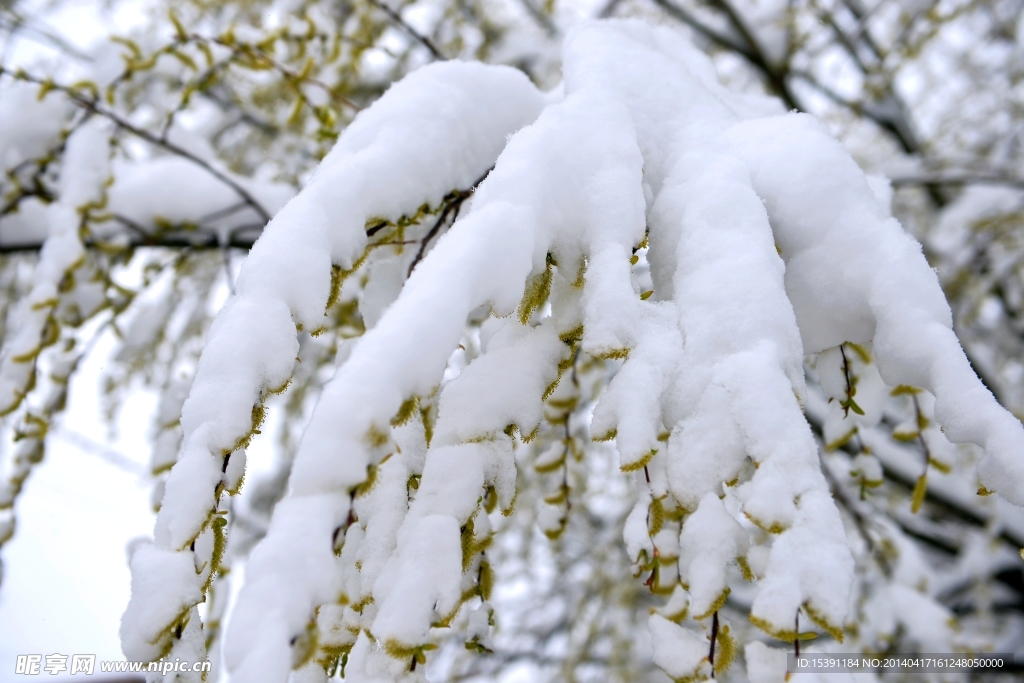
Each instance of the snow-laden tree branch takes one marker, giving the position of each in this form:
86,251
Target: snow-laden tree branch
765,244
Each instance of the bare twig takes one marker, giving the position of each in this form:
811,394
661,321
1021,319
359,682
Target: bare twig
722,41
397,19
542,19
749,49
196,240
959,178
44,35
115,458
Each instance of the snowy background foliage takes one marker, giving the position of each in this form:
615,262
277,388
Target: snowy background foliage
505,340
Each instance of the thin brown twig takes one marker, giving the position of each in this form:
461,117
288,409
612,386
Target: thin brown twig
397,19
714,637
453,204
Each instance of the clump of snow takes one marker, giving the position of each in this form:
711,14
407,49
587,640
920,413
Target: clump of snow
680,652
710,540
171,580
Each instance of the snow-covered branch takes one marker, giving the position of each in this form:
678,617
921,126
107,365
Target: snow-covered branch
739,211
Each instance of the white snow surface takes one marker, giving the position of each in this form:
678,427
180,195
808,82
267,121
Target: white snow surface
766,243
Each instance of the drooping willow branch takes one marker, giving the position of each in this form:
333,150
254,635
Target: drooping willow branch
93,106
